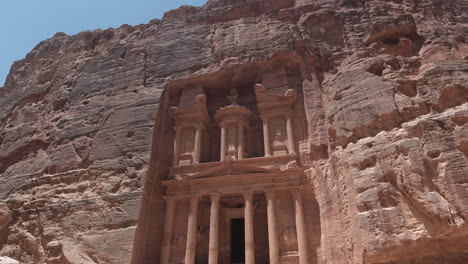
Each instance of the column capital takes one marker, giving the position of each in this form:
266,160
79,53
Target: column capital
244,124
270,193
265,117
194,196
222,124
170,197
215,196
288,113
297,191
199,126
247,194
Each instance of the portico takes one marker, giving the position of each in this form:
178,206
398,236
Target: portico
248,188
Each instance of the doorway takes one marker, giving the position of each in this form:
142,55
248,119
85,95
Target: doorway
237,241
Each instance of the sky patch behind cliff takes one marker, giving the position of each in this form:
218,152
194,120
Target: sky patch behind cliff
25,23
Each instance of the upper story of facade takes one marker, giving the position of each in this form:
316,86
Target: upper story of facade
241,127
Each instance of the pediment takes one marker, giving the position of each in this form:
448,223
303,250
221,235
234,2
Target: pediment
230,167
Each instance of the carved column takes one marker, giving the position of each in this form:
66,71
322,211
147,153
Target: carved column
198,142
300,226
168,229
223,142
249,228
272,228
289,130
175,158
240,141
190,248
214,222
266,136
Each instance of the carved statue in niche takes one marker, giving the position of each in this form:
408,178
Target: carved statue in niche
289,238
178,246
187,141
279,136
202,244
232,142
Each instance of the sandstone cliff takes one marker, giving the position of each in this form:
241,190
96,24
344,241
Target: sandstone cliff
386,99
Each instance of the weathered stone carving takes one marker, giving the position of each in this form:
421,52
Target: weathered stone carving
276,114
235,124
289,238
178,247
190,120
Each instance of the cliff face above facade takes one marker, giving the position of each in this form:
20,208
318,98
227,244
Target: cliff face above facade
385,95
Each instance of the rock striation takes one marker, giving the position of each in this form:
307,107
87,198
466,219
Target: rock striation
386,102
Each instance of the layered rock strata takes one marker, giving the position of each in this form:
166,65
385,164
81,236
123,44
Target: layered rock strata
386,101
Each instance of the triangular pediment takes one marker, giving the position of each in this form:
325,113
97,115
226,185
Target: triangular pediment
229,167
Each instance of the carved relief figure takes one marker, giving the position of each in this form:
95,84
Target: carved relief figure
178,246
279,137
187,137
289,237
232,141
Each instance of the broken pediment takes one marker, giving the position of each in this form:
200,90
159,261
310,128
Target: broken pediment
267,101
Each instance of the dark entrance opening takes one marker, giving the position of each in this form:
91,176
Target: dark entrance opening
237,241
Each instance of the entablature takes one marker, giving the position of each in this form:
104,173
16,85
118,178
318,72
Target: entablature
233,185
250,165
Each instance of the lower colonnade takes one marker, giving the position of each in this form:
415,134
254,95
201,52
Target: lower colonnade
248,215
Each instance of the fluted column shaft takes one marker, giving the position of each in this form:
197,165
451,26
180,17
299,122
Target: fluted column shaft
266,136
300,226
168,229
249,228
240,141
197,148
272,231
190,248
289,130
223,142
175,157
214,229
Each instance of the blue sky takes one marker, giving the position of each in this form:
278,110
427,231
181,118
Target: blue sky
24,23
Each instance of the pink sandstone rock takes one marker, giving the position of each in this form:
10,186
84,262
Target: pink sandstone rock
380,130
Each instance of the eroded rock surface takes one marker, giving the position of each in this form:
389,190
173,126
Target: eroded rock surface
386,100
